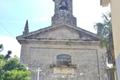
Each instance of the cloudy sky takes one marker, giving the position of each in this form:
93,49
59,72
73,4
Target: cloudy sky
13,14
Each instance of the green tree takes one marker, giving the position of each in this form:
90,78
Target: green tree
104,32
2,63
13,63
12,69
17,75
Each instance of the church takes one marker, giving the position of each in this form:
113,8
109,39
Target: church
63,51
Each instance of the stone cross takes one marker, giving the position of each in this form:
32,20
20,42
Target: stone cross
38,72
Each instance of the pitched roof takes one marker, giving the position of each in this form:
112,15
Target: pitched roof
80,30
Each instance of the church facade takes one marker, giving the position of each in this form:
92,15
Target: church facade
63,51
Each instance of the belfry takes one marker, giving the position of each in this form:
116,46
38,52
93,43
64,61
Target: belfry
62,51
63,13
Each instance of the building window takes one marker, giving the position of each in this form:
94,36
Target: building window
64,59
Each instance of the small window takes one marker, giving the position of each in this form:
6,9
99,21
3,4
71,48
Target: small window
63,59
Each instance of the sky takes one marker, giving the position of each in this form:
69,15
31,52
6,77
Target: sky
14,13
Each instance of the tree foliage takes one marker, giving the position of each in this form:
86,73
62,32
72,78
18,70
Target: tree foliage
104,31
13,63
12,69
16,75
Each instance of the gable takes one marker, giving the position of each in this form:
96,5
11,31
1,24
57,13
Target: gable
59,33
62,32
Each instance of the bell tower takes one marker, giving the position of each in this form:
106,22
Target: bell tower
63,13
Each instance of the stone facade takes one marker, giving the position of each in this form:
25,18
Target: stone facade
40,49
79,51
